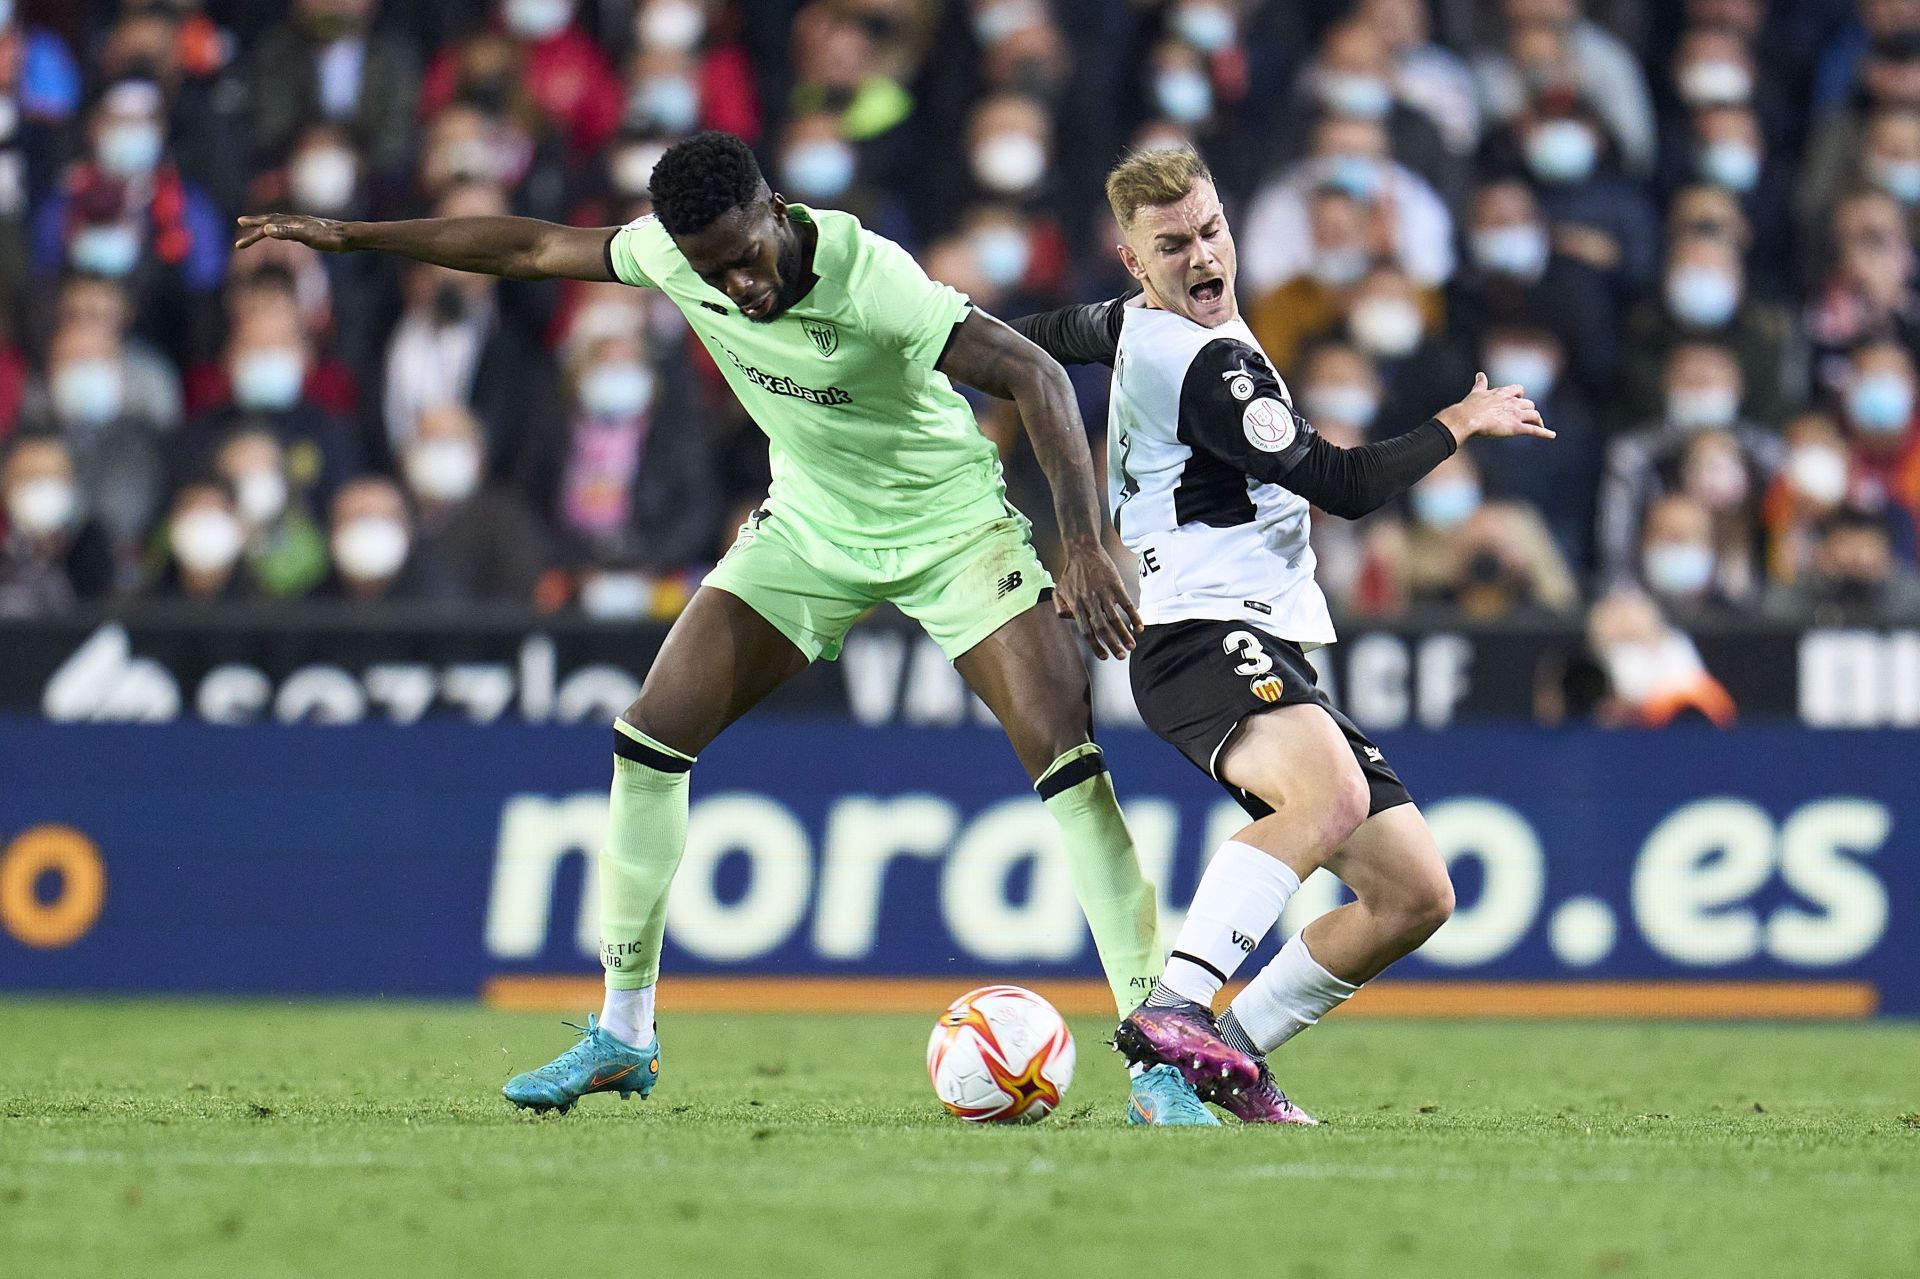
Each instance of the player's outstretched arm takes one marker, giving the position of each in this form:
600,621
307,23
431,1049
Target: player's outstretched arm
522,248
985,353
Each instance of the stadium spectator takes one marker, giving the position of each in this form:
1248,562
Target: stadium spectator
1427,76
202,102
473,541
124,211
149,382
536,48
1556,477
729,94
1346,239
1705,298
327,62
52,553
203,541
268,282
1552,42
1812,483
1888,80
1869,291
285,553
1854,578
1654,673
1488,559
1679,564
370,540
1879,411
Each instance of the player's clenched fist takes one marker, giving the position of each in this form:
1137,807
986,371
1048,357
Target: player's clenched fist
1090,590
1493,411
318,233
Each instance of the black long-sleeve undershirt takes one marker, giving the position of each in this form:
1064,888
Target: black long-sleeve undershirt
1358,481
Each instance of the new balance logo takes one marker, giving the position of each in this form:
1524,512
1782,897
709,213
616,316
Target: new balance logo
1009,583
1244,942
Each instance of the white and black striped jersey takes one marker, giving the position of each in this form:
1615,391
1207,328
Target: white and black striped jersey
1211,470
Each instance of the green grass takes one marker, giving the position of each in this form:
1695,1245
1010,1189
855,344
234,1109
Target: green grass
186,1139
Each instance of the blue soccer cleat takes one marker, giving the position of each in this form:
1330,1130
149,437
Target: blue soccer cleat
597,1063
1162,1097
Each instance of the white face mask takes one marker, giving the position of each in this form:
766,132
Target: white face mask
205,540
616,390
131,148
370,548
1678,568
444,470
42,506
1207,27
1528,367
111,249
87,391
672,24
1002,254
1387,326
1009,162
632,167
1703,409
322,179
538,19
821,169
269,379
1715,83
1519,250
261,496
1819,473
1348,402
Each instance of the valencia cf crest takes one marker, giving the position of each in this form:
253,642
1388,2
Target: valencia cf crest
1268,689
826,338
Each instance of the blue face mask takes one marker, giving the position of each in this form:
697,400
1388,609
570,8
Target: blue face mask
1519,251
1356,175
1184,95
1881,403
1445,504
130,148
1338,268
1678,568
671,102
1207,27
1562,151
1730,165
1528,367
1003,254
1360,96
616,390
1702,296
1898,178
110,249
820,170
268,380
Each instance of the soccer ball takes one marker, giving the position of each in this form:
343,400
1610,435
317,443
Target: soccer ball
1000,1054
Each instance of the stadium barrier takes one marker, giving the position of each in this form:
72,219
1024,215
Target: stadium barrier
1758,872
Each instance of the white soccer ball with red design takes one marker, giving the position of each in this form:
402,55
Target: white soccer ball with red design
1000,1054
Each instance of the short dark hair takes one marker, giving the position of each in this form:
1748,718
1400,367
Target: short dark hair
701,178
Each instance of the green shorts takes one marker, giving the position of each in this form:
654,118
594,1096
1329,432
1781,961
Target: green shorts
960,589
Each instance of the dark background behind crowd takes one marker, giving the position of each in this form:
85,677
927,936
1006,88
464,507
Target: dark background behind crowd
1686,226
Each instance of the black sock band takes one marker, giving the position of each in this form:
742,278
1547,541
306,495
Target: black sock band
1198,962
1068,776
641,753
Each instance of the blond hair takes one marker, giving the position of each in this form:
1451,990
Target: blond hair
1147,178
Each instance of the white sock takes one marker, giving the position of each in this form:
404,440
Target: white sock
1241,895
627,1015
1288,995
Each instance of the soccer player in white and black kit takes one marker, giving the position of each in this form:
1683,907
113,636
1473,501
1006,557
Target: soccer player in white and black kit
1211,471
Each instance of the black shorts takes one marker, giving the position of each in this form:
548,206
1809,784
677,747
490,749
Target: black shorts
1196,682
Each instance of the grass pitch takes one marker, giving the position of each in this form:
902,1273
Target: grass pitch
186,1139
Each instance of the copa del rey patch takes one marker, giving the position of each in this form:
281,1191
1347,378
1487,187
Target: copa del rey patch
1268,424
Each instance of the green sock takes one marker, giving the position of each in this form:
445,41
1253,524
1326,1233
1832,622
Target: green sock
646,833
1116,898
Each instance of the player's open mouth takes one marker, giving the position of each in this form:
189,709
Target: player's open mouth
1208,291
759,306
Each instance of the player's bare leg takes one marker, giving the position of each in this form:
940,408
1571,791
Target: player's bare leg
719,660
1031,675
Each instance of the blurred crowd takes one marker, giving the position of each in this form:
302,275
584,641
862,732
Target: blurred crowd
1685,226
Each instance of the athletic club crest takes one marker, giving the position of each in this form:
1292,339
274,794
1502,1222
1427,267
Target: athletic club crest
826,338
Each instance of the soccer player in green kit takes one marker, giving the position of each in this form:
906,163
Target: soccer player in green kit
884,489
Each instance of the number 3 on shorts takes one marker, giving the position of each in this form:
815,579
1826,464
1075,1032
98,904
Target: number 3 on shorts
1254,659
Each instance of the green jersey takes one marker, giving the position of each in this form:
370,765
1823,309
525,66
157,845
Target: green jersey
870,445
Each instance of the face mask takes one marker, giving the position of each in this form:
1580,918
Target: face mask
268,380
1703,409
87,392
819,170
444,470
616,390
370,548
672,25
1715,84
1009,162
1730,165
1678,568
632,168
131,148
1818,473
465,158
322,179
1562,151
1184,95
1880,403
1359,96
616,595
1526,366
1638,670
671,102
1348,402
1357,175
1702,296
42,506
1002,253
1520,251
1898,178
261,496
1206,27
6,14
108,249
1338,268
1386,326
537,19
1445,504
205,540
